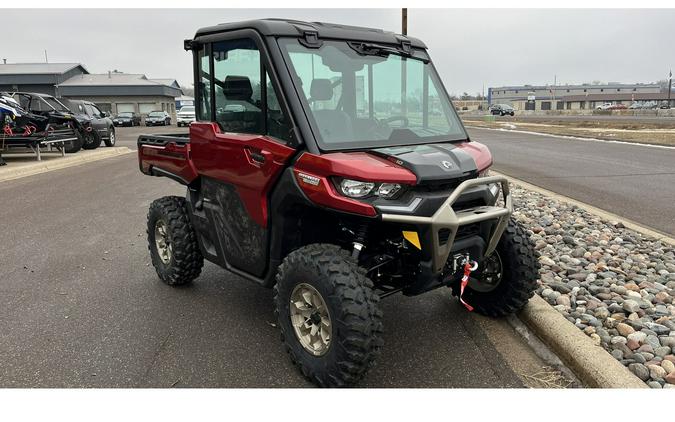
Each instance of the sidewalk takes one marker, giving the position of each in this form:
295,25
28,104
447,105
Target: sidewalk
23,165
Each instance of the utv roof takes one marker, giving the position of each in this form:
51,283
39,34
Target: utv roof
293,28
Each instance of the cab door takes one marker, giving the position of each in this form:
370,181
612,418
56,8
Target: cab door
98,121
239,146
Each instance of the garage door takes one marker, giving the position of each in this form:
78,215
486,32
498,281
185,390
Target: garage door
125,108
146,108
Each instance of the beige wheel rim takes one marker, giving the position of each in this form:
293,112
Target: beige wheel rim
162,242
310,319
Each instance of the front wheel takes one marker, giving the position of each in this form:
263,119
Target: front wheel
328,315
74,145
173,245
507,278
110,142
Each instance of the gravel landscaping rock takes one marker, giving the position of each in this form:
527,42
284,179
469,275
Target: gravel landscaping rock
615,284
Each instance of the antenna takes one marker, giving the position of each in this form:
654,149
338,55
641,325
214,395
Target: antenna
46,59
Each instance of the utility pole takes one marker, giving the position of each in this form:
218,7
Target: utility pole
670,85
404,69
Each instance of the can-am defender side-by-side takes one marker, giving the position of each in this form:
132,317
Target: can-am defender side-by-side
327,162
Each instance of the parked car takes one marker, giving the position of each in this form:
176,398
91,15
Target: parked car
324,222
127,118
98,123
604,106
664,105
502,110
158,118
185,116
617,107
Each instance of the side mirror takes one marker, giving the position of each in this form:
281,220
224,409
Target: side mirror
106,114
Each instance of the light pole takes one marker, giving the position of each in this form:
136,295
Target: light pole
404,21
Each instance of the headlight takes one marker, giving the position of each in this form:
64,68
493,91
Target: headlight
359,189
356,188
388,190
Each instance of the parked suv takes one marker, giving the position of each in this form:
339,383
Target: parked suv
127,118
185,116
99,125
300,186
158,118
502,110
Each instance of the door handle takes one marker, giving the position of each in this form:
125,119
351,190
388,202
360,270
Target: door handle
257,157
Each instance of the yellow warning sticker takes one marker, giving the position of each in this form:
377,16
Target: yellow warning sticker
413,238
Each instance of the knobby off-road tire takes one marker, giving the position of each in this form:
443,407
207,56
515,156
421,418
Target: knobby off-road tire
520,270
356,321
185,260
71,147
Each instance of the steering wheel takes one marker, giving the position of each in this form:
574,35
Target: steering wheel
401,118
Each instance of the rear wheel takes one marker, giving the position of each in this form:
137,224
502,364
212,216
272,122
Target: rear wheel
328,315
91,140
110,142
507,278
172,241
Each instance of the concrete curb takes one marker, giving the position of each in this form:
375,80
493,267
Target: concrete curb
69,160
590,363
590,208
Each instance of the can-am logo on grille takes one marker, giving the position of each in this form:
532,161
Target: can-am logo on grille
446,164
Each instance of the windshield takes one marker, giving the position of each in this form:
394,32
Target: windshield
125,114
156,114
187,109
56,104
366,101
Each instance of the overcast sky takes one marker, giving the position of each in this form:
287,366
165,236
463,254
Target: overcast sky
471,48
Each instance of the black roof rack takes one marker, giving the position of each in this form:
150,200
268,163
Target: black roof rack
322,30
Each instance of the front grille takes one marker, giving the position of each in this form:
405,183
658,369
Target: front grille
468,230
444,185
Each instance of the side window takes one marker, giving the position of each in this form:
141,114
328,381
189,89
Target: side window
236,71
245,99
90,110
277,124
204,86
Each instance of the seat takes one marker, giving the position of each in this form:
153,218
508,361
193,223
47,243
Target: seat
334,125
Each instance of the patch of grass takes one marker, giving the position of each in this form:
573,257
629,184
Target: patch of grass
647,133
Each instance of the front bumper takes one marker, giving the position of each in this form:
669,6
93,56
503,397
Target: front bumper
446,222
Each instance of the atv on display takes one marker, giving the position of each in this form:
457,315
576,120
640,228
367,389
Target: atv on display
46,109
327,162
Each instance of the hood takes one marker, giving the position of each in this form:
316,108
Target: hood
433,162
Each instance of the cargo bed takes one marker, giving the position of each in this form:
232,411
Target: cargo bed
166,155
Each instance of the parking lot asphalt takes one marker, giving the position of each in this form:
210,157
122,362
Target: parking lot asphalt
81,305
630,180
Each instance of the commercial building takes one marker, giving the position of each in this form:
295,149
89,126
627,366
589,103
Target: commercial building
37,77
113,92
116,92
574,97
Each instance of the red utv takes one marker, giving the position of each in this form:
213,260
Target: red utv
327,162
